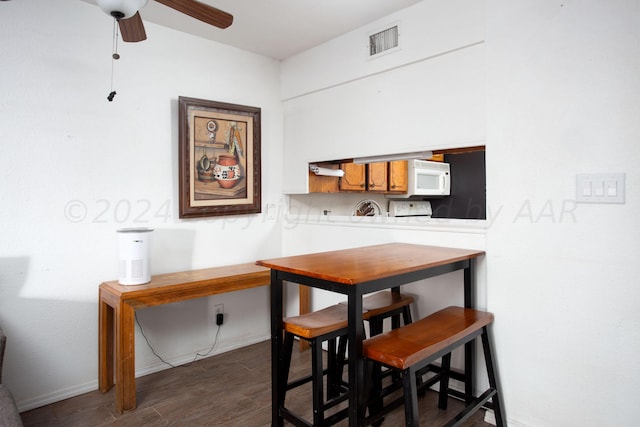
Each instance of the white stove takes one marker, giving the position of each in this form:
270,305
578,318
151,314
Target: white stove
409,208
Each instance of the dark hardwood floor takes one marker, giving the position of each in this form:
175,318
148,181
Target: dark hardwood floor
230,389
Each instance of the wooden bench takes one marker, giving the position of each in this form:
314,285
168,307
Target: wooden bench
117,305
413,347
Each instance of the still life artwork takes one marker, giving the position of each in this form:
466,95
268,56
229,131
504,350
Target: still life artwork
219,158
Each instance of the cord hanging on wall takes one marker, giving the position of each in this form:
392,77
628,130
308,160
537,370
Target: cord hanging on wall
114,57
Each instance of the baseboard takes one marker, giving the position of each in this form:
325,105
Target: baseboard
159,366
56,396
66,393
489,417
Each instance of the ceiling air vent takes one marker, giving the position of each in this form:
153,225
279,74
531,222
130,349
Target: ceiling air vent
384,41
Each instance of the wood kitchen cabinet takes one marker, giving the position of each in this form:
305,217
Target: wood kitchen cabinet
383,177
398,176
323,184
354,178
377,177
373,177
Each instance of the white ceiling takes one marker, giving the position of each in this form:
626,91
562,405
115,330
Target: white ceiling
277,28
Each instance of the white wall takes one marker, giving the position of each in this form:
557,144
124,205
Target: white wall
75,167
562,95
429,94
563,98
427,29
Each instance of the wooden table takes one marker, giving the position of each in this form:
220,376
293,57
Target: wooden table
355,272
118,303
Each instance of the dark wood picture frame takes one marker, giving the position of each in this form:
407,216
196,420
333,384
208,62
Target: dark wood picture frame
219,158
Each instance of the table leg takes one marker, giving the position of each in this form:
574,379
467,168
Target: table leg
304,303
469,348
105,345
278,385
125,358
395,320
357,398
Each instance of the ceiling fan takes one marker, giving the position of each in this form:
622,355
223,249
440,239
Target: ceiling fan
126,12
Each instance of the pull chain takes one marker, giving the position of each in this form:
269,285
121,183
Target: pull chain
114,57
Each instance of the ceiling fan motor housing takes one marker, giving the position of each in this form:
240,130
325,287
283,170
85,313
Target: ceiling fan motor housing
121,8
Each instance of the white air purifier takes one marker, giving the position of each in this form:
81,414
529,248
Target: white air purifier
134,250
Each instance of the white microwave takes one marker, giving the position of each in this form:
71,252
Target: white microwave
427,179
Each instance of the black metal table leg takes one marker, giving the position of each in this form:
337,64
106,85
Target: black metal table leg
356,361
278,386
469,348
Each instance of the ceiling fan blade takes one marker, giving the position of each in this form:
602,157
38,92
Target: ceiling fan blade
132,29
200,11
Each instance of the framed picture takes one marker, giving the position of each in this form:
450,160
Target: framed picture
219,158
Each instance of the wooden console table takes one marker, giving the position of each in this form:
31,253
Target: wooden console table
117,305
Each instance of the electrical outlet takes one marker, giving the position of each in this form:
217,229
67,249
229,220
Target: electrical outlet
219,314
219,308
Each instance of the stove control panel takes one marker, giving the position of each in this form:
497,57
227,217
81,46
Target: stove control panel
409,208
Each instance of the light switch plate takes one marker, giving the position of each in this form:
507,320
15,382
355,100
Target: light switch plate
600,187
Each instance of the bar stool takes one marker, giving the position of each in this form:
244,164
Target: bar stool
380,306
385,304
412,347
316,327
376,308
330,324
